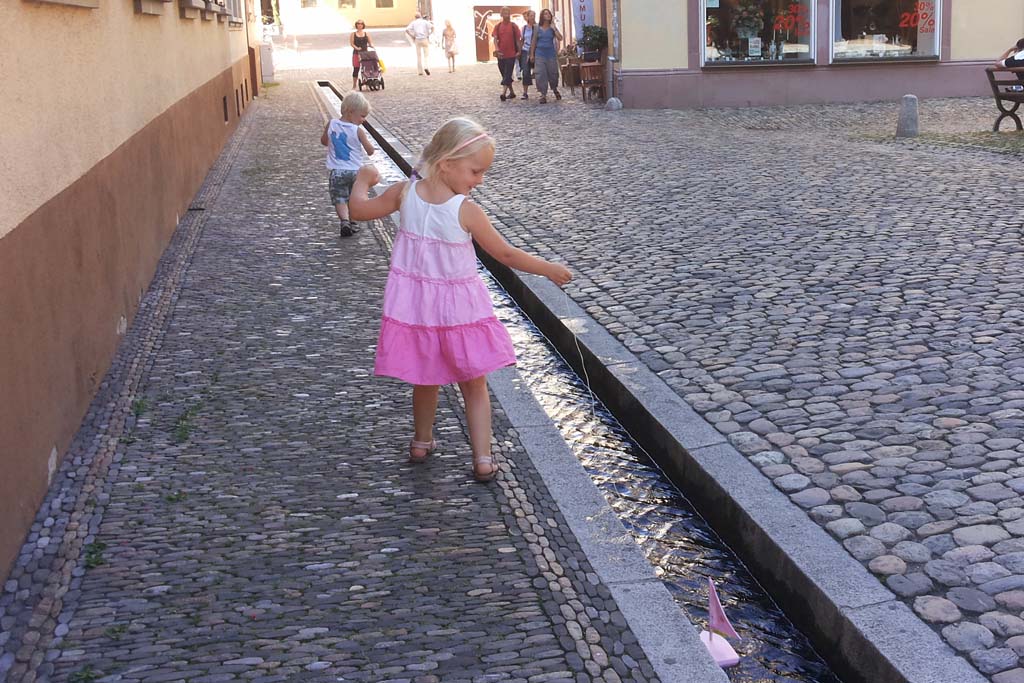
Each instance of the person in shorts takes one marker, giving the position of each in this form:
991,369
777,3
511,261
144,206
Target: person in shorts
348,148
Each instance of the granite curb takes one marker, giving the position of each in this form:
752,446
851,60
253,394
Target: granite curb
865,631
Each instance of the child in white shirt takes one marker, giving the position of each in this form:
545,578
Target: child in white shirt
346,141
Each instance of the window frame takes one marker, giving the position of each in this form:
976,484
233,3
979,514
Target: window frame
832,59
811,60
378,5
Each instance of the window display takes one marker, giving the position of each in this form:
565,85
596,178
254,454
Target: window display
757,31
885,29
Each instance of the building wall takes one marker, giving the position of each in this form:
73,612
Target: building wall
660,61
654,34
111,121
326,17
985,32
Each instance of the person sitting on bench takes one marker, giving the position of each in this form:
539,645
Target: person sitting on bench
1013,59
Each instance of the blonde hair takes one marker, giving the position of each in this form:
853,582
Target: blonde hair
458,138
355,103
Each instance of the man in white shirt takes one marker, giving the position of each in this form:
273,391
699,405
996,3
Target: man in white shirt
419,30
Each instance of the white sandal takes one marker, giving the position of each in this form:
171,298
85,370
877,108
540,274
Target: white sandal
485,460
426,446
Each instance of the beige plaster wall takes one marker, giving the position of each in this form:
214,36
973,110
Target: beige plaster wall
653,34
984,30
327,17
79,82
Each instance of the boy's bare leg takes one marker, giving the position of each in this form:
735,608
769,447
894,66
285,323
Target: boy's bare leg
342,210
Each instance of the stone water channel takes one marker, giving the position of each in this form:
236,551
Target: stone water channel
679,544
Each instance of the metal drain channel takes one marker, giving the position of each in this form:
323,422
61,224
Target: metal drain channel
677,541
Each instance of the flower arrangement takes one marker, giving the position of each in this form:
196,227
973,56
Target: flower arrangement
748,18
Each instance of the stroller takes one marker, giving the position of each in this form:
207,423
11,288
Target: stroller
370,73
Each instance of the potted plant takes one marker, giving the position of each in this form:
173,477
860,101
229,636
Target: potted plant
593,41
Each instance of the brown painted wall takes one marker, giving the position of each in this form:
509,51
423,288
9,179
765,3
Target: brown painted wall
71,270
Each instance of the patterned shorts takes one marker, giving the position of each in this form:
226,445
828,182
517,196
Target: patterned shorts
341,185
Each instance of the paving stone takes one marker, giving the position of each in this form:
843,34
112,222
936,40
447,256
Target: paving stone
1016,643
994,660
887,564
890,534
970,599
1011,600
1011,676
910,551
968,637
936,610
984,534
946,573
1003,625
864,548
909,585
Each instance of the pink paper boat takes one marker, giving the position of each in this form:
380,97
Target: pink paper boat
720,649
718,628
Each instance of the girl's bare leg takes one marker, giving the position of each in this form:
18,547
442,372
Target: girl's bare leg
478,415
424,408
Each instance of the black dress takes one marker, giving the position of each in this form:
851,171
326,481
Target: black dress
361,44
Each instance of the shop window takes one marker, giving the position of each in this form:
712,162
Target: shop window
744,31
385,4
885,29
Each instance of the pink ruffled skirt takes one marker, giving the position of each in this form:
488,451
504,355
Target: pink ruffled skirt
438,325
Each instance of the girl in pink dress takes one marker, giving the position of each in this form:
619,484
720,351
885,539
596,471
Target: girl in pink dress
438,325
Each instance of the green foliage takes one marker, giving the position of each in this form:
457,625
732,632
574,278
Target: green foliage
116,631
94,554
86,674
183,425
594,38
175,497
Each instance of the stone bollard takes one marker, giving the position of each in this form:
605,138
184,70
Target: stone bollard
613,104
907,126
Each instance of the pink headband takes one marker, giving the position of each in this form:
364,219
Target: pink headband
467,143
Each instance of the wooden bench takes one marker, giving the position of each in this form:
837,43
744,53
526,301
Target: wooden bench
1006,91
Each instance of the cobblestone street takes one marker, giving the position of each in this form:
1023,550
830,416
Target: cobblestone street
250,514
842,307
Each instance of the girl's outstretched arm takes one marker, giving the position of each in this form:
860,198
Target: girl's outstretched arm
361,207
476,223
